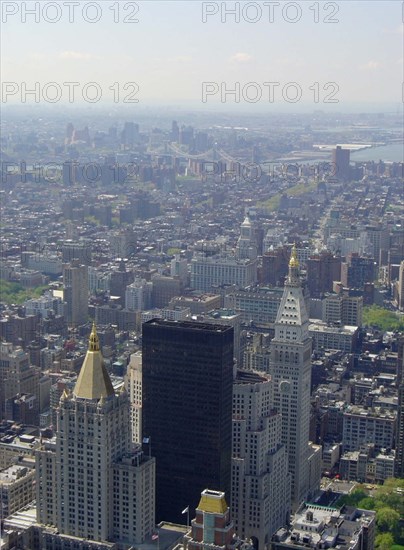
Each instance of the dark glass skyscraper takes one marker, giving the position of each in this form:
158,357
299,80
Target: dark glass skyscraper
187,410
340,162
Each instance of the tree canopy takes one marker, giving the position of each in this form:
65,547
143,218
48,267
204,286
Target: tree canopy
383,318
388,502
384,541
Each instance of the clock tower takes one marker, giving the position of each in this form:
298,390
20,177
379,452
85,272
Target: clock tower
290,368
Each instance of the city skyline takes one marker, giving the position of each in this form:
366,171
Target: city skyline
201,275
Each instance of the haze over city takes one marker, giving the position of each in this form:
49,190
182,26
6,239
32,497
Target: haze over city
202,275
175,46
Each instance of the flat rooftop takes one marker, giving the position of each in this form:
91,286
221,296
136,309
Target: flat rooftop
199,298
250,377
376,412
342,487
12,473
315,526
23,519
19,442
201,327
170,535
318,326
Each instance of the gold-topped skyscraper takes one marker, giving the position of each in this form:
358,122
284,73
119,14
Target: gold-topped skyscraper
290,368
102,484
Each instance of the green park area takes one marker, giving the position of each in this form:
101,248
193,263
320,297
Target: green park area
173,250
388,502
382,318
272,204
14,293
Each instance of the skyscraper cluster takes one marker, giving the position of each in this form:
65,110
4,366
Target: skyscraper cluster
205,427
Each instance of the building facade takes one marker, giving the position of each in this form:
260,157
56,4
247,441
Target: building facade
75,294
322,270
362,426
16,374
133,384
138,295
257,305
247,247
343,309
213,527
290,369
230,318
187,409
357,271
104,491
213,271
344,338
260,498
16,488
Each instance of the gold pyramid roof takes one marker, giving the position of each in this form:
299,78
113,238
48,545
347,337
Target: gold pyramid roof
213,502
93,381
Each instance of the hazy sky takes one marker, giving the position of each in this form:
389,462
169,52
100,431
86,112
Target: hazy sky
170,52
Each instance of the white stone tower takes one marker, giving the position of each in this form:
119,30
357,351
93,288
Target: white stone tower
260,495
290,368
92,483
247,243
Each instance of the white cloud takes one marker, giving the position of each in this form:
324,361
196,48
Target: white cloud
241,57
77,55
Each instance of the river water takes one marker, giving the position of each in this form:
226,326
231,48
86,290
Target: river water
392,152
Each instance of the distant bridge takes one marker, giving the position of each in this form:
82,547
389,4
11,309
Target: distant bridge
207,155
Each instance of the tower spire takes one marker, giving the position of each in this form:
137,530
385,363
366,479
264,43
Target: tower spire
293,262
293,276
94,343
93,381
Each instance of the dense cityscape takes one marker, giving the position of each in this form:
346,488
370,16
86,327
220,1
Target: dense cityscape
192,258
201,323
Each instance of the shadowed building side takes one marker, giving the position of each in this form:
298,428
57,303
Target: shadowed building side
187,410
